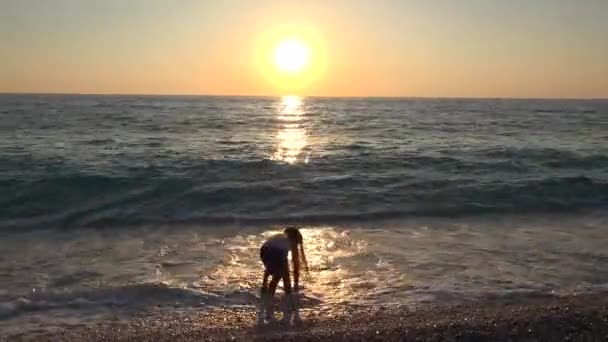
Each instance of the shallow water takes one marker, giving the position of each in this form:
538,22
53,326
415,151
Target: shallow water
53,279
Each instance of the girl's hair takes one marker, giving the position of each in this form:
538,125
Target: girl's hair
294,234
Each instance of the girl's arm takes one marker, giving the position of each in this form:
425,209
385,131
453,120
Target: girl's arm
304,259
295,258
296,254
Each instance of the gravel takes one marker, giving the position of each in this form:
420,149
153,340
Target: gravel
572,318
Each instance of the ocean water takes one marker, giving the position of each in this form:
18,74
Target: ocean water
114,207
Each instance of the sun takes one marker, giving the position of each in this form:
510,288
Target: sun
291,56
292,59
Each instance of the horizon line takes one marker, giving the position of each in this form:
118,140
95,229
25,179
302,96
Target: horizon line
312,96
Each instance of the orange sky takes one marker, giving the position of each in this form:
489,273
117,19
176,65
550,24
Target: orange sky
475,48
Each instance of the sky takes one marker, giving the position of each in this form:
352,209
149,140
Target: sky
434,48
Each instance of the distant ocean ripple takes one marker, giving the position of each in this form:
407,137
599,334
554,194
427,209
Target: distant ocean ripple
70,161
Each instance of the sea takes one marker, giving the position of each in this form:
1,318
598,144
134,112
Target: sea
119,207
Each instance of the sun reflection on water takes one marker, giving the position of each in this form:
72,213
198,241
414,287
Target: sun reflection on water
291,137
334,278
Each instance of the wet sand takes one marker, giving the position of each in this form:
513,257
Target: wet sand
573,318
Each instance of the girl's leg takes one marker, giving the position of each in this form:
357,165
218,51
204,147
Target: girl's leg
288,301
264,282
286,281
264,298
290,305
272,287
274,281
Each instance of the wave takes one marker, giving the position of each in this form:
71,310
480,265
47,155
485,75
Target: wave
566,111
107,201
361,158
55,192
549,157
126,299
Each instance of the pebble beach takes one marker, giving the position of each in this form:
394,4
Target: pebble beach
570,318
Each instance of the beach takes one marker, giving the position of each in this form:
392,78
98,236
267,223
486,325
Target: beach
571,318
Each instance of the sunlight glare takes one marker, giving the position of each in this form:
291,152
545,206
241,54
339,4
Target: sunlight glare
291,137
291,56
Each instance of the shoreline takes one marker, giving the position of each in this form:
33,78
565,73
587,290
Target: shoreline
573,318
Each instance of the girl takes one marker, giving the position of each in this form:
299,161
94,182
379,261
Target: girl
274,253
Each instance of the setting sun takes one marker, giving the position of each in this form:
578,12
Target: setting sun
291,56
